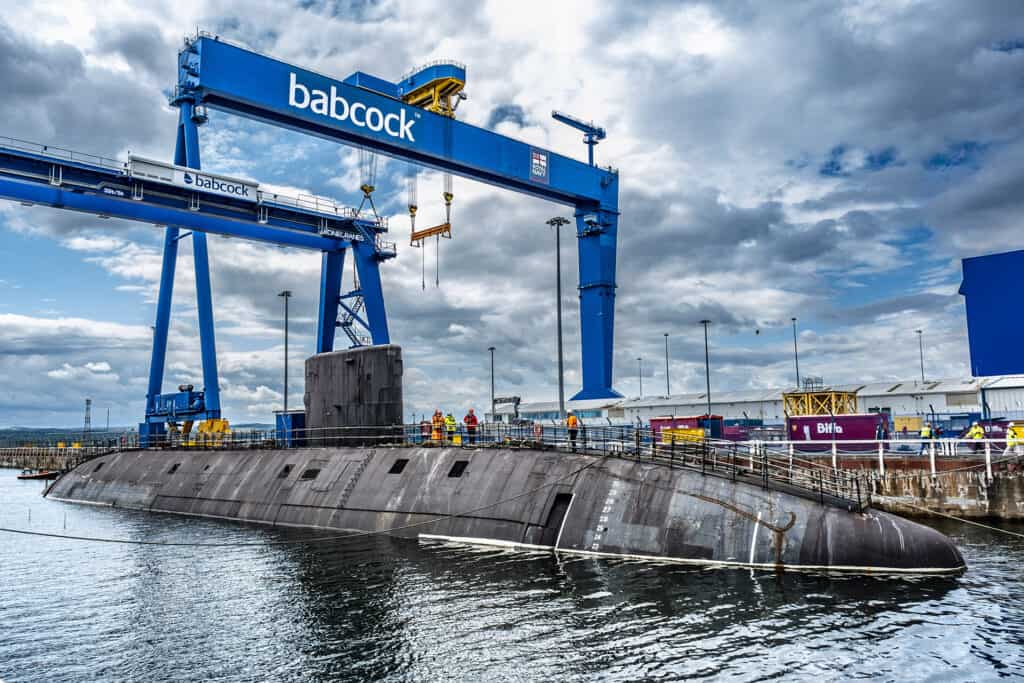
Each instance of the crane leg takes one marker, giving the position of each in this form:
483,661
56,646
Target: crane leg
597,301
163,304
331,268
201,259
368,267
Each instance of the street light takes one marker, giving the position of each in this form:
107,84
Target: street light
493,417
286,294
640,374
557,222
920,350
668,389
707,364
796,356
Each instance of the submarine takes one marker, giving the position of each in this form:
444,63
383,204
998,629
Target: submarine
696,507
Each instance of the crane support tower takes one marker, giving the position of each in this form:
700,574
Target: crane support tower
411,120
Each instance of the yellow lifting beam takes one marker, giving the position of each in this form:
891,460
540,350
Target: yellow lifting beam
442,230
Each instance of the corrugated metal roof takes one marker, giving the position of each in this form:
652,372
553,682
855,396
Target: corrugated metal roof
889,388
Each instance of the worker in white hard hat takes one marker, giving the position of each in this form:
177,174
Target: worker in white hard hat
1014,437
976,433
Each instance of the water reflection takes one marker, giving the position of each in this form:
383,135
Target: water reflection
386,609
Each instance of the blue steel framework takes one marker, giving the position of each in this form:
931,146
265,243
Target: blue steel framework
36,174
367,111
214,73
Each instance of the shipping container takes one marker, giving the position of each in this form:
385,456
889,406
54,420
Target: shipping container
851,427
712,425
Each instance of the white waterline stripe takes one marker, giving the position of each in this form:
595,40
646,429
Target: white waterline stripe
753,537
697,562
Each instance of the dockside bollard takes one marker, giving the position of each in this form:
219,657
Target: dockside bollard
931,456
881,458
835,461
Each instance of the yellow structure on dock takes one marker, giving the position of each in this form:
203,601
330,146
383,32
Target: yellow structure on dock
819,402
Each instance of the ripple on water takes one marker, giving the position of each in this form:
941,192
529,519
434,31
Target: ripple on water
382,609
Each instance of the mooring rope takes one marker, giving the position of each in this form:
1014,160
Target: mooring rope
960,519
305,541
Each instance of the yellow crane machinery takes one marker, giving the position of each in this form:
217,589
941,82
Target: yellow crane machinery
437,87
819,402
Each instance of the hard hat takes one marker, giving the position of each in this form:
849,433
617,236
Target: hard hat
975,424
569,411
1010,425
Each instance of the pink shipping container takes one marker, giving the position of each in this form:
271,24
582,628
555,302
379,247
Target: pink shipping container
855,427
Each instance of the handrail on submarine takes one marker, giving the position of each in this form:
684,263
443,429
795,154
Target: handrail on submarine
757,466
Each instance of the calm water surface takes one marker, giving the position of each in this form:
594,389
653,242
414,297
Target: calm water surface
382,609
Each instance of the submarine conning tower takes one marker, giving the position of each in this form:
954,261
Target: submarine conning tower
700,506
354,397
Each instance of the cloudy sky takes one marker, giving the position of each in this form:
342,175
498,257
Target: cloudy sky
827,160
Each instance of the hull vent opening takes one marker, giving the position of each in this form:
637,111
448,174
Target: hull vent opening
285,471
174,468
458,468
399,466
311,473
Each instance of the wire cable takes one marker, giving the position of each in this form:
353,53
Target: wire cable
961,519
307,541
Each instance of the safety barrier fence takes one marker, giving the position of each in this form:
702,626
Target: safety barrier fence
735,461
927,454
62,153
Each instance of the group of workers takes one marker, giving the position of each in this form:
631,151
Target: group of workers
445,428
976,434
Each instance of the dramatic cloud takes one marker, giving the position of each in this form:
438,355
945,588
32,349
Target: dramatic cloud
830,162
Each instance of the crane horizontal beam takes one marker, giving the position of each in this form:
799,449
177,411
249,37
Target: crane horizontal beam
222,75
107,190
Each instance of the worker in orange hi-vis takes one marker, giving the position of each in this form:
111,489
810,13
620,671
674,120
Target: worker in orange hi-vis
437,426
572,424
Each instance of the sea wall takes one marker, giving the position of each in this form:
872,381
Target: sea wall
969,494
45,458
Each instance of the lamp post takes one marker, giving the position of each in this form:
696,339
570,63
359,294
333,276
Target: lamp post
286,294
920,350
557,222
668,387
493,416
796,356
640,374
707,364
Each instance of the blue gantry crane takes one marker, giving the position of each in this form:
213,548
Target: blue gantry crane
411,120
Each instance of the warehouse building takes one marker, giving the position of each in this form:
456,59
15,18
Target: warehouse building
1003,395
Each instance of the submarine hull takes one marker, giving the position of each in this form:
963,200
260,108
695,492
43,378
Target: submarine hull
529,499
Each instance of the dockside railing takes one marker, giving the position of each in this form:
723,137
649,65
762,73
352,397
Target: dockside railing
759,466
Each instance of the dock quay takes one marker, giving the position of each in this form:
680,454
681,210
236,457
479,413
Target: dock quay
50,458
974,479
